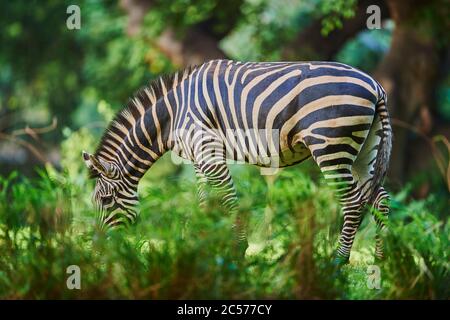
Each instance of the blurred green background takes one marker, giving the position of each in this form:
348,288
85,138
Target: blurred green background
59,88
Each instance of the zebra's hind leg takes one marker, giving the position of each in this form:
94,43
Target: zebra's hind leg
380,213
343,182
352,211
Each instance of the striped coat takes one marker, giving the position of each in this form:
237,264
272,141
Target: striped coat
273,114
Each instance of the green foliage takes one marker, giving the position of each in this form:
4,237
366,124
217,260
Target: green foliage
366,50
41,206
334,12
106,49
181,14
265,27
179,251
38,61
47,70
443,97
420,241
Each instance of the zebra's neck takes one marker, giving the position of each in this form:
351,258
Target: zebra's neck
142,132
147,140
139,135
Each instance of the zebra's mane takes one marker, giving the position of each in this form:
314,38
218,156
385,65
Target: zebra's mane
140,102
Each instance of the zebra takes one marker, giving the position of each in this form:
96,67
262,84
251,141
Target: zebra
329,111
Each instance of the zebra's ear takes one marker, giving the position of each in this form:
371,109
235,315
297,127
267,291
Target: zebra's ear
96,166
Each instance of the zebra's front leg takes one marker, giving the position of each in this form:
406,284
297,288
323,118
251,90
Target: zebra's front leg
202,186
219,177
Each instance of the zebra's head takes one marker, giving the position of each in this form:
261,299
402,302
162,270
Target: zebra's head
114,199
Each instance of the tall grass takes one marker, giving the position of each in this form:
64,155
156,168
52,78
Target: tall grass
180,252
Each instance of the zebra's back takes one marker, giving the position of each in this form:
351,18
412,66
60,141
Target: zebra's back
286,105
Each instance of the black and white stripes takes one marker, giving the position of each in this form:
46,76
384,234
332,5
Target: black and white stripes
270,114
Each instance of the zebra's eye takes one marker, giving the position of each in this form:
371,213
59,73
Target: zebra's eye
107,199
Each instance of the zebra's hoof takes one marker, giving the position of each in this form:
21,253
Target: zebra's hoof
379,260
240,247
340,261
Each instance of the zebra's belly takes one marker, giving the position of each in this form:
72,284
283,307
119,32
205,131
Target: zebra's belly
295,155
286,158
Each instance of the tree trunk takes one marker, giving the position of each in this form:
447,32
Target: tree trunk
409,75
195,46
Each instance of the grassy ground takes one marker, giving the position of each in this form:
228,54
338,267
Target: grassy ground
177,251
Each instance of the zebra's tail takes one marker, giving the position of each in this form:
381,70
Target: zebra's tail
384,148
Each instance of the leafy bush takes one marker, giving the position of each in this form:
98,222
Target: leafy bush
179,251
